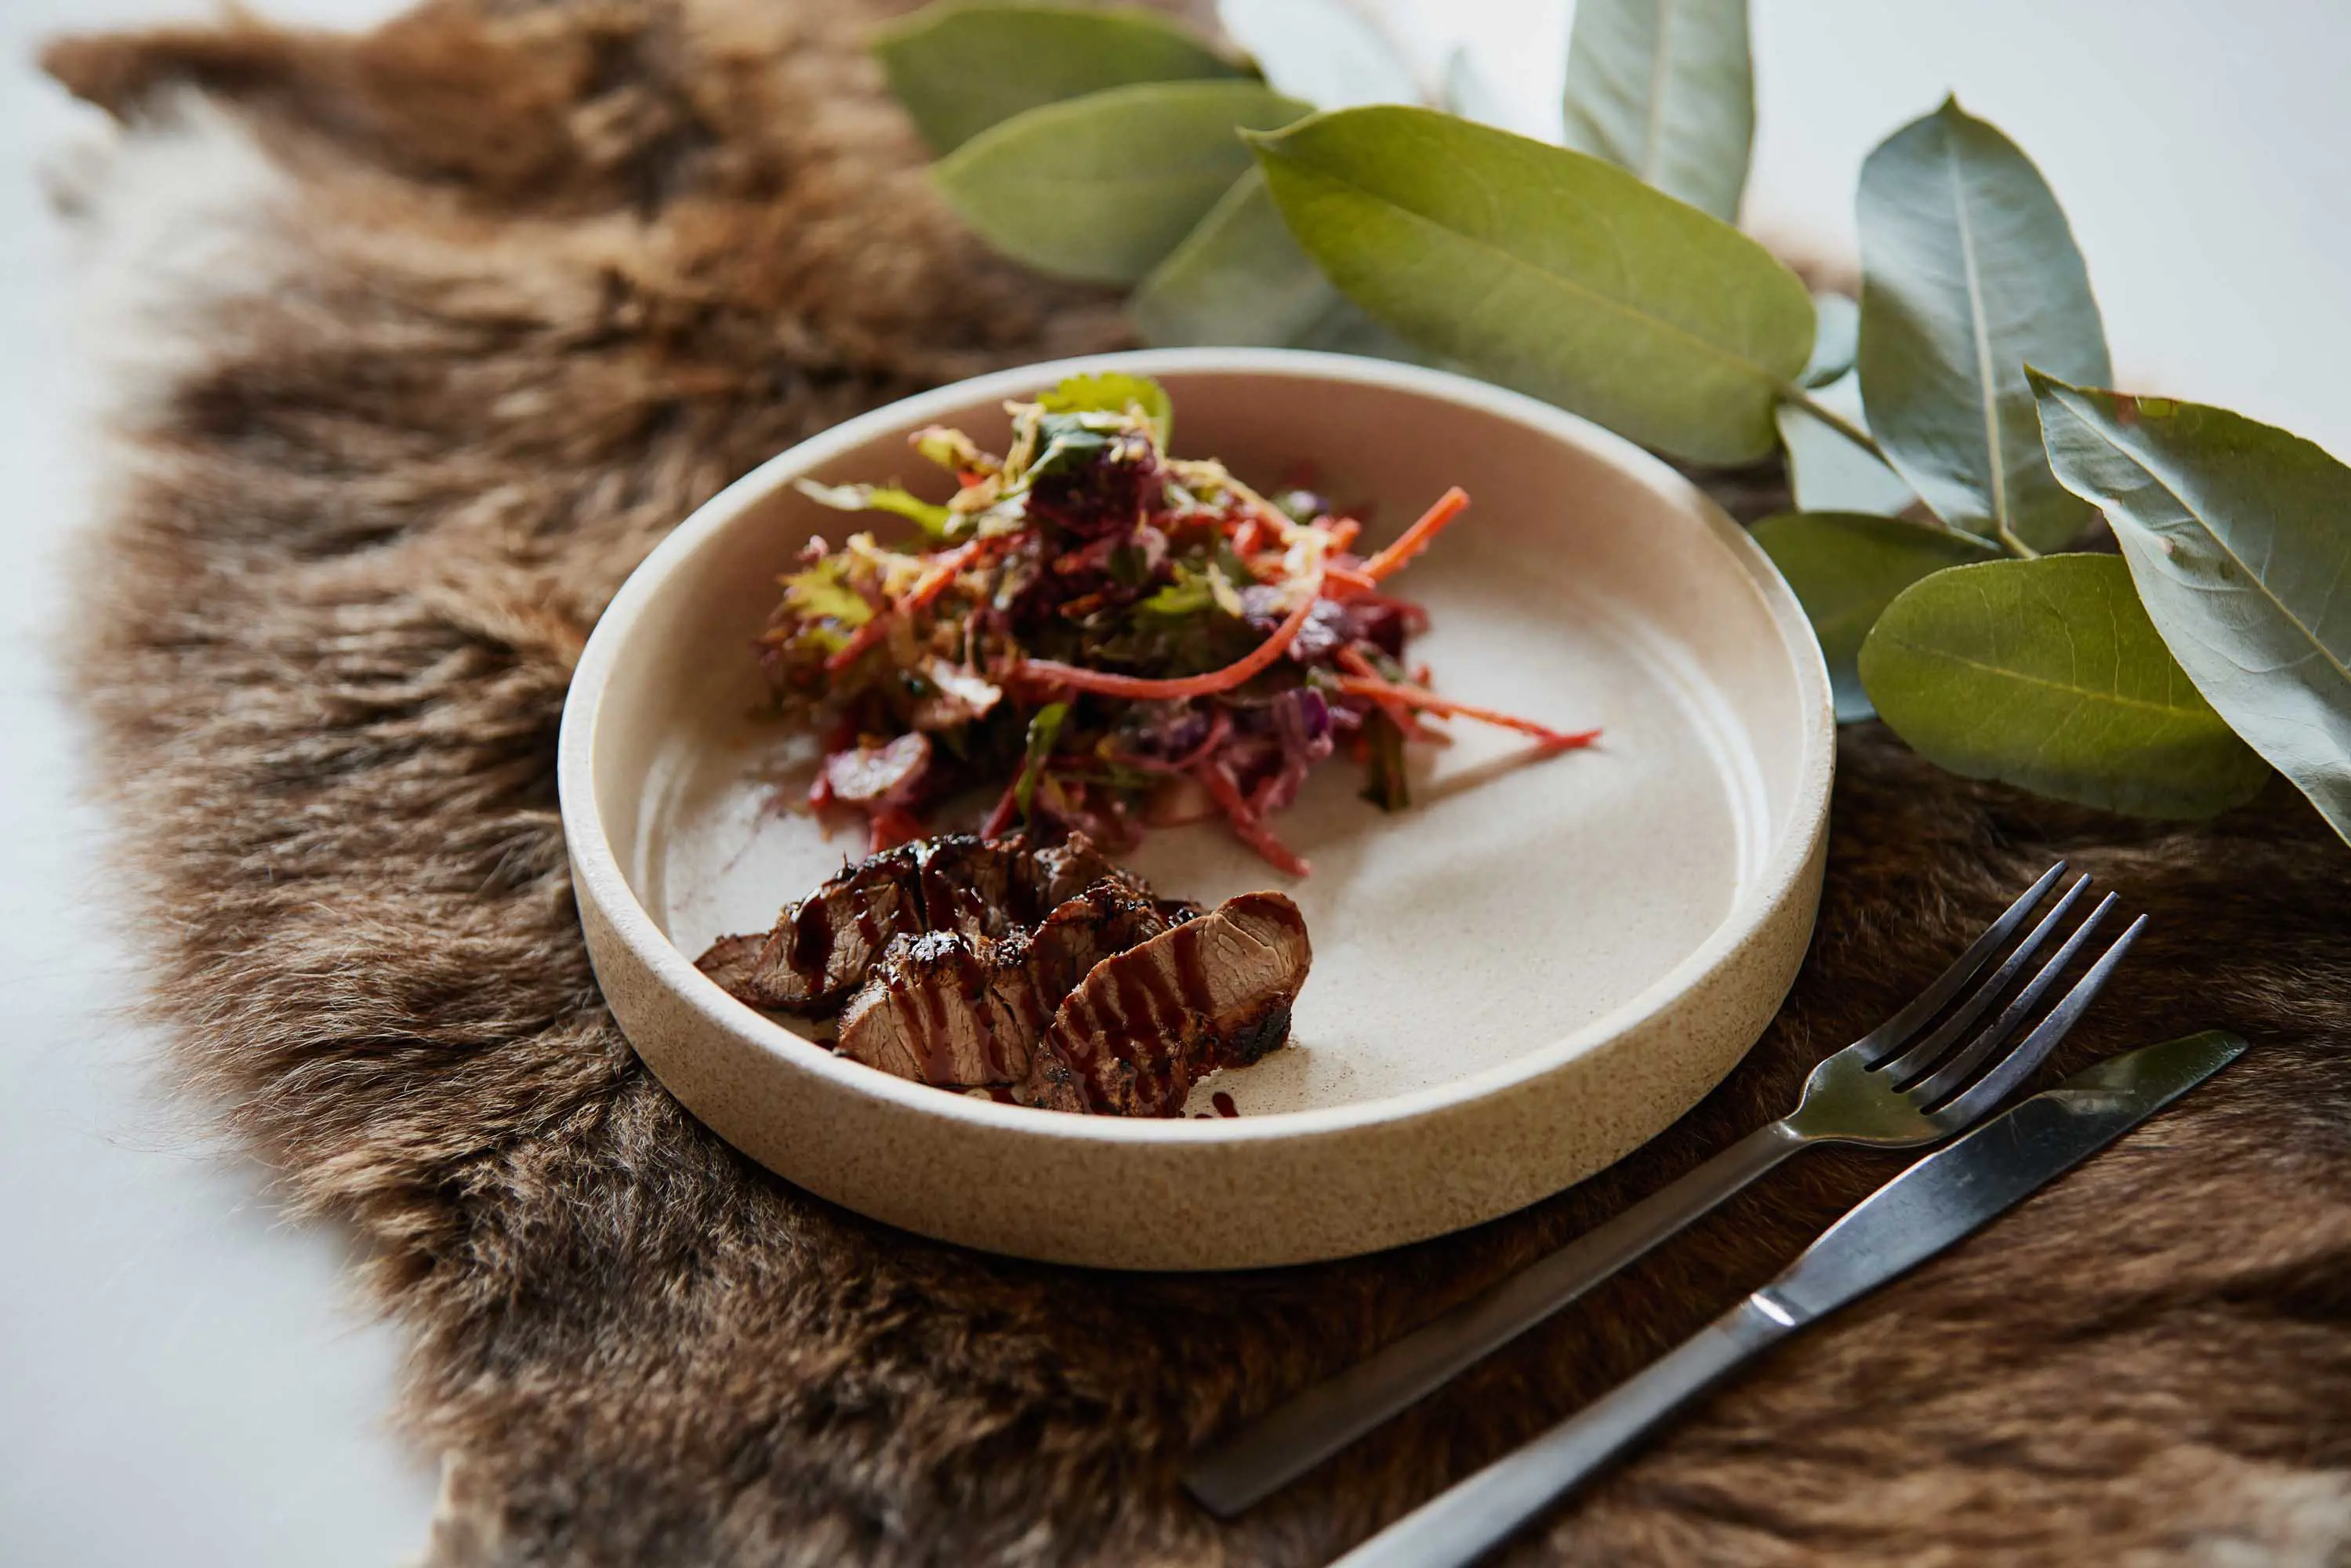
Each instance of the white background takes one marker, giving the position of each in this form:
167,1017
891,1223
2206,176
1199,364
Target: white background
185,1379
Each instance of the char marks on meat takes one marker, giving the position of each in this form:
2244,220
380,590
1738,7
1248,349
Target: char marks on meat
822,947
960,1008
1046,971
1147,1024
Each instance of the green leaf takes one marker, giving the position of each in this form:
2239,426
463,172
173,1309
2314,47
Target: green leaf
1829,473
819,593
1836,337
1239,277
1043,730
934,520
2239,537
1846,567
961,68
1548,271
1102,188
1114,393
1968,270
1664,88
2047,674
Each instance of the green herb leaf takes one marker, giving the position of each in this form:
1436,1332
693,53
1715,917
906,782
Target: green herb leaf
1068,440
1114,393
1239,277
2237,538
2047,674
1664,88
1329,52
1102,188
961,68
1968,270
934,520
1846,567
1549,271
1044,729
819,593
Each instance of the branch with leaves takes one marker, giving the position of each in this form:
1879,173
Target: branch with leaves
1949,447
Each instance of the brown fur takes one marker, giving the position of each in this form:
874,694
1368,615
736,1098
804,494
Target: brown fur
557,273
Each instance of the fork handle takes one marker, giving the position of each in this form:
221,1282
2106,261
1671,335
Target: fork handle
1461,1524
1293,1438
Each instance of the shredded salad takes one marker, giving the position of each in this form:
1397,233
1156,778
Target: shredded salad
1107,636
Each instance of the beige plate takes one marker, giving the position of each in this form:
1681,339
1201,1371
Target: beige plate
1515,983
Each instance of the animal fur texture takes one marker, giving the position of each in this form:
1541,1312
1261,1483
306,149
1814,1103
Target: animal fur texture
541,278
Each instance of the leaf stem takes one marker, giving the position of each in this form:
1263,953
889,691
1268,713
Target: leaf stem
1837,421
1815,409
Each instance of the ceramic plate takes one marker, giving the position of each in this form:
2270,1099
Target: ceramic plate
1516,982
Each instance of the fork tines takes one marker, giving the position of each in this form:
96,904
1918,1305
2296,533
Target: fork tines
1931,1065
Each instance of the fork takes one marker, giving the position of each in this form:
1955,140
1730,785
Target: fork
1902,1085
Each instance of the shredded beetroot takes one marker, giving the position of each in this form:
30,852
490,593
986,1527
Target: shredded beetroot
1247,825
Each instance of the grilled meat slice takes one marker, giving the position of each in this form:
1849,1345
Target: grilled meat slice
1147,1024
960,1008
822,946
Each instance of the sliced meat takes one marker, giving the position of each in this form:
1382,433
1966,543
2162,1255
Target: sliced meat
822,946
1147,1024
961,1009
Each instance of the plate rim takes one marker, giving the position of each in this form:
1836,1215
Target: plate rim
595,863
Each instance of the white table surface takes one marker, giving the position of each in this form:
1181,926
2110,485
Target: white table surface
185,1378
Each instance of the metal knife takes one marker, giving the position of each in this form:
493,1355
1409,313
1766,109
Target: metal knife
1930,1206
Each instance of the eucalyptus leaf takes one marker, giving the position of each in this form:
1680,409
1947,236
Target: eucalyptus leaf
1102,188
1827,471
1549,271
1846,567
1665,89
2047,674
1968,270
1836,337
1334,53
961,68
1239,277
2239,538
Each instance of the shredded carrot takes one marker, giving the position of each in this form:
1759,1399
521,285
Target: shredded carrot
1247,825
1052,673
1244,537
1351,577
1376,689
1415,539
1398,714
1343,532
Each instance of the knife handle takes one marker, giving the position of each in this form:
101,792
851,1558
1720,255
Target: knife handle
1462,1524
1293,1438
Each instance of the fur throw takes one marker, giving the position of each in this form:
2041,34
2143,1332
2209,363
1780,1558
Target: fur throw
510,288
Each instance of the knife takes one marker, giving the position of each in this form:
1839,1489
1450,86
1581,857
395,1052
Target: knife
1935,1204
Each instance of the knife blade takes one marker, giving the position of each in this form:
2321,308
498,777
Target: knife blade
1932,1205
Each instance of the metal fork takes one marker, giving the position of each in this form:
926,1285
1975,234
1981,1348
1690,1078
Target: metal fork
1903,1084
